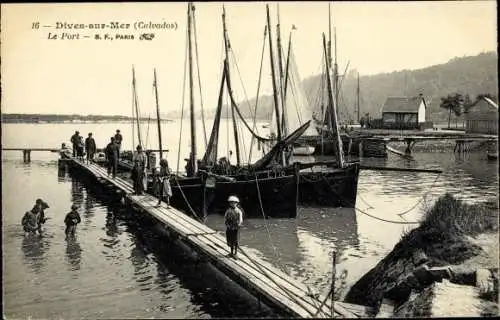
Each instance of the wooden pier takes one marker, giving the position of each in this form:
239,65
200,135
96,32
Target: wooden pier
27,152
270,285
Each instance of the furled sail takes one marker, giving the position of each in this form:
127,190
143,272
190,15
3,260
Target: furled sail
210,157
272,157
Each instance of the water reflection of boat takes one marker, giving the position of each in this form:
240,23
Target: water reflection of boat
319,235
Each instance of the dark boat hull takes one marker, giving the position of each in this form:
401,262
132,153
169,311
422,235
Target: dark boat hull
272,196
333,188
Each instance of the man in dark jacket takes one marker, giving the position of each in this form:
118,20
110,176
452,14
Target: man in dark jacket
71,220
111,152
118,141
90,147
75,140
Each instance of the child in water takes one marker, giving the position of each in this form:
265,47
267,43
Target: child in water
71,220
30,221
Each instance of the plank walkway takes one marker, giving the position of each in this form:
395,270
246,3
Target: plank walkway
259,278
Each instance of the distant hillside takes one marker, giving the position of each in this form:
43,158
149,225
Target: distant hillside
471,75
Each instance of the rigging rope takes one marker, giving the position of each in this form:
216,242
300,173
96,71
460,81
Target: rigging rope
359,210
186,200
199,79
183,100
147,132
278,256
258,92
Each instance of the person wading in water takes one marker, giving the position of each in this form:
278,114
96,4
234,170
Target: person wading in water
71,220
233,219
138,171
30,221
40,206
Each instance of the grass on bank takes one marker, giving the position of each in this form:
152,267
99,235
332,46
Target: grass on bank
442,231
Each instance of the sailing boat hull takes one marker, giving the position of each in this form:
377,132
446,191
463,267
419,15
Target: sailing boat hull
270,196
334,188
191,195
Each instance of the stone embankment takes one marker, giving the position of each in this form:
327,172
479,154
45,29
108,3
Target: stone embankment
448,266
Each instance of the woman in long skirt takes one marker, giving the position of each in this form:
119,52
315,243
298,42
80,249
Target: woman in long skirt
164,188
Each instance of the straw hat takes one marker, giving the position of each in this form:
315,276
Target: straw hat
233,199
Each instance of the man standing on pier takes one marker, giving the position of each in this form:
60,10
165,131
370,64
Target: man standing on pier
233,219
138,171
118,141
90,147
111,153
75,140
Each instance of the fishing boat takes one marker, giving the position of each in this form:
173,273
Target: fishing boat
336,185
207,187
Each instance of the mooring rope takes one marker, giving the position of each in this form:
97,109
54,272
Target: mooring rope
283,268
364,212
186,200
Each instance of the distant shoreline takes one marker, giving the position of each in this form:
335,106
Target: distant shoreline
52,118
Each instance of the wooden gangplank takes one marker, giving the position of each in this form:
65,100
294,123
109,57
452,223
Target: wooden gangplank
259,278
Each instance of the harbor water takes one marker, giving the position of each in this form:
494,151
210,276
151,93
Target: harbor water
120,269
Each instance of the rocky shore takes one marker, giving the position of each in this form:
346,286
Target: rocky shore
448,266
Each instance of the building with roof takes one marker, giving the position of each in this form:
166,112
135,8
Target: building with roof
404,112
482,117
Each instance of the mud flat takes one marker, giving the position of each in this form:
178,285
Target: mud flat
448,266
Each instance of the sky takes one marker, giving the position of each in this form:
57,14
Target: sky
89,76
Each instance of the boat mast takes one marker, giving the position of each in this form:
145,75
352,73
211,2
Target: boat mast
357,97
155,84
136,106
191,97
133,111
333,114
281,77
273,74
226,63
335,70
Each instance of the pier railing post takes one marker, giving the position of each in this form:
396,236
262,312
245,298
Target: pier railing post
334,263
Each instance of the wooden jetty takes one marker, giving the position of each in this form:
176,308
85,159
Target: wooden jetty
270,285
27,152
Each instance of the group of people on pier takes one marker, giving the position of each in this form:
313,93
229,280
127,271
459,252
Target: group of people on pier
161,185
88,148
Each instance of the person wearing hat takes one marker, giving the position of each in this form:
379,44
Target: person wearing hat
233,219
90,147
138,170
75,139
111,153
71,220
40,207
118,141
